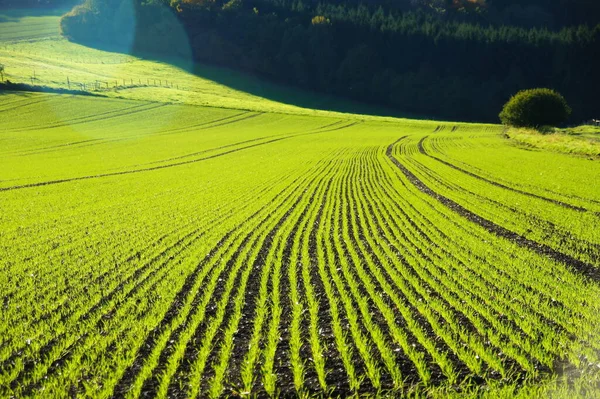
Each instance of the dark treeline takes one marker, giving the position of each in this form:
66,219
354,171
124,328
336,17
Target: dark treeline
445,59
551,14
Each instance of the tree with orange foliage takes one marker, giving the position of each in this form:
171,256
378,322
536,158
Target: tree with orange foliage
468,4
320,20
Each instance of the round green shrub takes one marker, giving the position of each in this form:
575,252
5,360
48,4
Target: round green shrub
534,108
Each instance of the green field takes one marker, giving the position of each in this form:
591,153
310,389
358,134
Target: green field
51,61
208,242
581,141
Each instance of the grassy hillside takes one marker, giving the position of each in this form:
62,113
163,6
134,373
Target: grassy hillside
428,57
33,52
153,246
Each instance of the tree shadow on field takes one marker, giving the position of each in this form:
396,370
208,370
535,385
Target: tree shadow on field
24,94
278,92
15,14
258,86
164,39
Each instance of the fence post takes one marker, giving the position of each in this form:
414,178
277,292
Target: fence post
68,83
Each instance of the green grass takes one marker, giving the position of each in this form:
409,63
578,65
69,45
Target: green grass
580,141
584,131
252,248
31,47
254,224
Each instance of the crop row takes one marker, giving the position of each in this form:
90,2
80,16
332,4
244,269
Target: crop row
315,259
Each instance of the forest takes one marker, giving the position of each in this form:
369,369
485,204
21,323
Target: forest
457,60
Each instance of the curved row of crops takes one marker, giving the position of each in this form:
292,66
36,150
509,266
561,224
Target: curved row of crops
188,252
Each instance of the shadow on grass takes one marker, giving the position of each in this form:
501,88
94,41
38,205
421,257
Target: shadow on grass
278,92
15,14
288,95
25,90
226,76
259,86
4,91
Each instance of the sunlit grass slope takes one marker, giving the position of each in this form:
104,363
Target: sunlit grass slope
31,47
